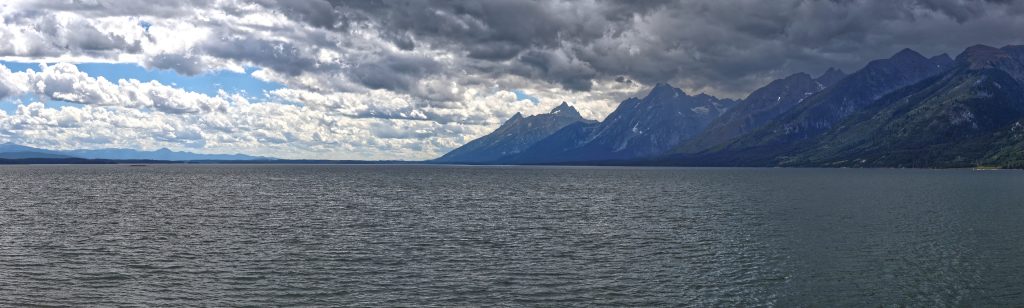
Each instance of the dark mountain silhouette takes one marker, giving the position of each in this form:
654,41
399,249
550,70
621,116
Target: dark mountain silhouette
761,107
820,112
515,135
972,115
638,128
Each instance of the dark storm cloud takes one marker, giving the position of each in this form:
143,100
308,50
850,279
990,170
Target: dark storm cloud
122,7
395,72
520,23
727,47
723,46
491,31
318,13
570,73
285,57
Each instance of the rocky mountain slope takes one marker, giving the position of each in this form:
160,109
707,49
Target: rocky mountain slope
761,107
515,135
971,115
638,128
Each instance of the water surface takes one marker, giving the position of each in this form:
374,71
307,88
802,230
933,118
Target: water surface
455,236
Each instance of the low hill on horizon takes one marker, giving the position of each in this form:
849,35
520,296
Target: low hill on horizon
16,151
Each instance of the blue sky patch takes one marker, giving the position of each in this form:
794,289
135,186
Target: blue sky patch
521,95
208,83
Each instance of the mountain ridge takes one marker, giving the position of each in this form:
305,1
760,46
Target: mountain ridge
903,111
823,110
513,136
639,127
762,106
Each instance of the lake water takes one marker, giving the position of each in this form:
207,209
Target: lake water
483,236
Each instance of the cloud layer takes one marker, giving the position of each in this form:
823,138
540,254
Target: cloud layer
411,79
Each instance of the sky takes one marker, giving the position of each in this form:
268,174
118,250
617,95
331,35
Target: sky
411,80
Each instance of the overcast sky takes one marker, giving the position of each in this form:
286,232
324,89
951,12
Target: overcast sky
413,79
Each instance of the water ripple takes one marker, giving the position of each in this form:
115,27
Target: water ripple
483,236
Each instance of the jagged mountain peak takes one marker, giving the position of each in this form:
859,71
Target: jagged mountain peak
907,54
637,128
759,108
515,135
958,119
566,110
563,110
800,75
515,118
830,76
664,93
824,110
797,77
774,124
829,72
662,86
772,89
904,59
703,95
664,90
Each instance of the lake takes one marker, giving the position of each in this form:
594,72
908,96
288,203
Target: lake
409,235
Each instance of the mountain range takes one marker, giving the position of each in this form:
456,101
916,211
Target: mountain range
15,151
639,127
907,110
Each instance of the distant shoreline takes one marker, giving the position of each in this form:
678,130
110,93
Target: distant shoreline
652,164
83,161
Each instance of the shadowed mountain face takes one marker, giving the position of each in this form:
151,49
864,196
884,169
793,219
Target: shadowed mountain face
831,76
971,115
761,107
1007,59
638,128
820,112
515,135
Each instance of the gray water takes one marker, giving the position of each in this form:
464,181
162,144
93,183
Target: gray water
484,236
